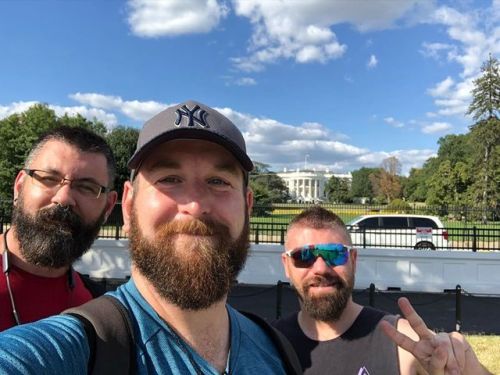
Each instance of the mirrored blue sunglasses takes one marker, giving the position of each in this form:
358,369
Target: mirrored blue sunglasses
334,254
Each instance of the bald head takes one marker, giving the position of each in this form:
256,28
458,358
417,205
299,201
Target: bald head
317,217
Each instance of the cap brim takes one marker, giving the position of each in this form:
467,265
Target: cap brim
192,133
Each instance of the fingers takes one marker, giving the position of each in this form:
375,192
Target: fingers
443,345
460,348
416,322
438,361
397,337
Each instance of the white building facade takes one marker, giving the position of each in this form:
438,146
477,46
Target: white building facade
309,185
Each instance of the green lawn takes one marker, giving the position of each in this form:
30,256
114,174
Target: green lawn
487,350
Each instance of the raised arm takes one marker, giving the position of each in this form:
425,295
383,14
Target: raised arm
438,354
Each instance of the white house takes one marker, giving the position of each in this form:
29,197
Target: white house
309,185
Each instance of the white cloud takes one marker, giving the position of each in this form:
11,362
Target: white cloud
245,81
16,107
473,35
442,88
393,122
372,62
408,158
134,109
436,127
285,146
153,18
295,30
269,141
302,30
435,50
108,119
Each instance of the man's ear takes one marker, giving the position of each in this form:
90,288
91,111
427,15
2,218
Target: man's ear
127,199
110,202
354,257
285,264
18,183
249,199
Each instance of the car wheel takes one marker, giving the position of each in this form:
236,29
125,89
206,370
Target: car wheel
424,245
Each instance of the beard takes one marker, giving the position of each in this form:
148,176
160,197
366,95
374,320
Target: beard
195,273
327,307
53,237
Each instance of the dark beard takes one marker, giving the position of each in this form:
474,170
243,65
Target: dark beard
327,307
198,275
54,237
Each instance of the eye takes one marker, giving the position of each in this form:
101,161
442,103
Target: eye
88,187
216,181
169,180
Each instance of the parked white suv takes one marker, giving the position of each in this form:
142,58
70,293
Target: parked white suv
403,231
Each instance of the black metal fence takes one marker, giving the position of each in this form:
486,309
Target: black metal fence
450,310
268,225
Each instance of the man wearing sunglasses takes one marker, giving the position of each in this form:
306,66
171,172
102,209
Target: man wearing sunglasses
334,335
61,198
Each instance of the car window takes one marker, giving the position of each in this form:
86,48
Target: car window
371,222
394,222
424,222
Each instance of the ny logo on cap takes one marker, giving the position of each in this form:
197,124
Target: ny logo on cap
191,116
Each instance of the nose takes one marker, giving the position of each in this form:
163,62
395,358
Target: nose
320,267
64,195
195,201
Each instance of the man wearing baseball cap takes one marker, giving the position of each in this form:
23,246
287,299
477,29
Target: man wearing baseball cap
186,210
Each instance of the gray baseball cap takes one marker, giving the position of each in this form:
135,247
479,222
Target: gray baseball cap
190,120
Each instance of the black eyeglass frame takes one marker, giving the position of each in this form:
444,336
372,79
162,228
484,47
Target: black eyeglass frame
102,189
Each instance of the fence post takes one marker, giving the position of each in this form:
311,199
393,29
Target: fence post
282,238
364,237
117,231
257,235
474,239
458,308
371,295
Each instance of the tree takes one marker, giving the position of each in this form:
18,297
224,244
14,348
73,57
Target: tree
79,121
455,148
361,186
448,186
17,134
415,188
485,108
267,187
122,141
385,182
337,190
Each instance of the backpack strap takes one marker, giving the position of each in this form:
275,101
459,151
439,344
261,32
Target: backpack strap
285,349
110,335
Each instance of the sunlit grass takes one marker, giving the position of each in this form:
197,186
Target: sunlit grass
487,350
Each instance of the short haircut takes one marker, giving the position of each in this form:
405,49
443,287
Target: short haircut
317,217
82,139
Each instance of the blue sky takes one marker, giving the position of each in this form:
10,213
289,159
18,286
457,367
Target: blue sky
340,84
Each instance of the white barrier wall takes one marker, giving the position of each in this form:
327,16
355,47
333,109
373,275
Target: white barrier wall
410,270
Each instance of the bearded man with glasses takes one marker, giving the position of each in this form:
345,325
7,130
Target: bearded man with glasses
62,196
334,335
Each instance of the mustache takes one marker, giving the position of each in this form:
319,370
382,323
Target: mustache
195,227
324,281
60,214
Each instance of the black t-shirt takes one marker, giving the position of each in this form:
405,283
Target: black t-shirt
362,350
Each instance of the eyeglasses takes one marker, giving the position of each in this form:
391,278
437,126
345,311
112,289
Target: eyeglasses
334,254
51,181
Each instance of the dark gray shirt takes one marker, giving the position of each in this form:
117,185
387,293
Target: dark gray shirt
362,350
